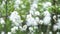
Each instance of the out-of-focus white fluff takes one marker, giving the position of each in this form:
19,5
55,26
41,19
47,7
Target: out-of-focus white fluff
30,20
58,23
9,33
37,13
2,5
37,19
54,17
58,33
24,28
46,13
42,33
55,27
50,32
31,12
2,32
2,21
46,4
15,18
40,22
13,30
47,18
31,29
33,7
17,2
16,5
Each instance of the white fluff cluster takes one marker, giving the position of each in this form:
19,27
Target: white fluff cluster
31,21
16,21
40,22
15,18
58,23
2,5
47,4
46,13
37,19
57,26
34,4
37,13
9,33
31,12
58,33
17,2
58,15
24,28
2,32
50,32
31,30
14,29
42,33
2,22
47,18
33,7
54,17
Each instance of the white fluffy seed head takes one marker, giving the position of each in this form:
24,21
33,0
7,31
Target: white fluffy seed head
58,23
2,32
24,27
47,17
15,18
2,21
9,33
17,2
34,6
20,27
30,28
29,16
3,2
13,30
54,17
58,33
42,33
37,19
58,15
14,13
37,13
31,12
46,13
55,27
41,22
35,27
46,20
50,32
46,4
31,21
